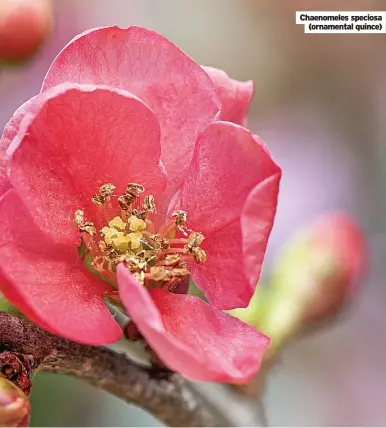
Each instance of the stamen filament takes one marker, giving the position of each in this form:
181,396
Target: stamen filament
174,251
178,241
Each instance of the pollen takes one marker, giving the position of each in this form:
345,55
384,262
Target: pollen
109,233
135,240
136,224
121,242
117,223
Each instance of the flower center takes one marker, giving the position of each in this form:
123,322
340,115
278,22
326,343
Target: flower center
157,258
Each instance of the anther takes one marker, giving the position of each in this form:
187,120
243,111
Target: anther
180,272
179,218
148,204
132,192
193,246
164,243
160,274
134,189
79,217
84,226
88,227
133,263
172,260
111,256
195,239
105,191
139,214
124,203
199,254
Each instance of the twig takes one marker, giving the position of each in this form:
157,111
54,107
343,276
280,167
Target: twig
168,399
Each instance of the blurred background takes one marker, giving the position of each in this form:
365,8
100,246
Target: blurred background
320,106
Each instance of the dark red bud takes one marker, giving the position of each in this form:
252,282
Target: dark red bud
24,24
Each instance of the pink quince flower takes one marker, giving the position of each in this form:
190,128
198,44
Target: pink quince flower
122,164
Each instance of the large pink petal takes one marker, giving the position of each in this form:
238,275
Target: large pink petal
48,282
190,336
230,196
81,137
9,133
222,276
256,223
150,66
235,96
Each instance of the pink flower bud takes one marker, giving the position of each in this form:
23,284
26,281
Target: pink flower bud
14,405
338,243
315,274
24,25
313,277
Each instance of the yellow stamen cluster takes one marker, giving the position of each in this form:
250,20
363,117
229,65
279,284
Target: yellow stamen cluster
151,258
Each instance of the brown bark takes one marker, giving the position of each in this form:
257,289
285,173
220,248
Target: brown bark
168,397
